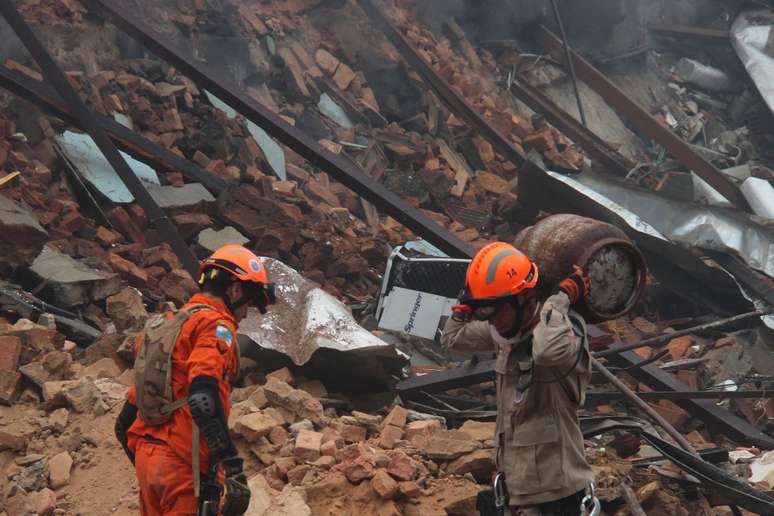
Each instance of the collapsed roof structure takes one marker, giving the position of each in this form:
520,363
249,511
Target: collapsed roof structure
325,134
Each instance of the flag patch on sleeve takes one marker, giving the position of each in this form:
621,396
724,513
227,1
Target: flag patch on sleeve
224,334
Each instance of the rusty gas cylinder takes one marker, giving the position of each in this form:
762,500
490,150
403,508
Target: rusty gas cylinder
616,267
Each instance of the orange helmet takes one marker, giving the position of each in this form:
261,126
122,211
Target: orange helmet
497,272
246,267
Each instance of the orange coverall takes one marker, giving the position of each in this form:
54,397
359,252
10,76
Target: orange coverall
163,454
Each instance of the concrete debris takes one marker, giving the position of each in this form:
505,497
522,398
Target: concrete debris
102,368
72,282
21,235
448,444
212,239
42,503
189,197
59,470
127,310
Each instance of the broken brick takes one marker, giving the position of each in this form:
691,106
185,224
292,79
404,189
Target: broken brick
283,375
542,141
10,353
384,485
389,436
136,276
308,446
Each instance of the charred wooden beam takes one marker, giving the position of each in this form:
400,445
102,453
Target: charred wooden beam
88,121
131,142
645,122
336,166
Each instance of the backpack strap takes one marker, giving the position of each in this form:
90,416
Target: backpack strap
187,313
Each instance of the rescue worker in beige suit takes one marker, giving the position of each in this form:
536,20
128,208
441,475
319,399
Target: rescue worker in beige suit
542,370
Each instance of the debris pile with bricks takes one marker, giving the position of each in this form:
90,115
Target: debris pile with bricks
82,266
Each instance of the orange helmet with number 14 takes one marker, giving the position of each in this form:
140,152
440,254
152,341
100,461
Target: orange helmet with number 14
499,271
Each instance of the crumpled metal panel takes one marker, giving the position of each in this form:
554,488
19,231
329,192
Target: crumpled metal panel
84,154
306,319
750,35
707,227
329,108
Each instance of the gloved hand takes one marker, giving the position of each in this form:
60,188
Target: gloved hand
236,494
575,285
462,313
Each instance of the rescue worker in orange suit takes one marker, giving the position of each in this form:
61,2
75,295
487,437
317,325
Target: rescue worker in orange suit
205,360
542,371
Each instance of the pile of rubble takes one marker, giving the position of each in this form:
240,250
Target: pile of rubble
79,256
356,462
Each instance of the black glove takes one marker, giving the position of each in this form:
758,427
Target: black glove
124,420
236,496
575,285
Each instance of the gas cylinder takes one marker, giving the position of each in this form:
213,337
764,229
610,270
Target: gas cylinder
615,266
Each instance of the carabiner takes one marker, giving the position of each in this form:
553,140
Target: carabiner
590,505
501,496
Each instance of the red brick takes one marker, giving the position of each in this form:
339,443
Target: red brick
283,375
72,222
329,448
423,428
308,445
216,166
120,218
353,433
10,383
10,352
396,417
390,436
409,489
107,237
384,485
138,216
161,255
680,346
542,141
136,276
190,224
671,412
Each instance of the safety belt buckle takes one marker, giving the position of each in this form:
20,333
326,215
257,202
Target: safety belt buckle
500,493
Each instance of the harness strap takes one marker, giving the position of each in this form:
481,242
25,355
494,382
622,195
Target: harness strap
195,458
171,407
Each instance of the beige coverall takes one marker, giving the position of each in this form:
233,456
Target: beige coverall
538,433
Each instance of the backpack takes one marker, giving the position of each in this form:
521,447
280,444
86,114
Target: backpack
153,365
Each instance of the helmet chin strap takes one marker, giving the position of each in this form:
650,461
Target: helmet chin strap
235,305
522,323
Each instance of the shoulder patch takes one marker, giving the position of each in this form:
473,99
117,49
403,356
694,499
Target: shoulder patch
224,334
